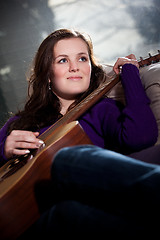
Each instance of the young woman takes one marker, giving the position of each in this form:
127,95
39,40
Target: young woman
65,72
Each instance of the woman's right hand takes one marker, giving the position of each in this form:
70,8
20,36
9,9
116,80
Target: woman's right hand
131,59
20,142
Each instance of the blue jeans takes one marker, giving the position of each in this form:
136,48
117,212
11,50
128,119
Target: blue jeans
96,191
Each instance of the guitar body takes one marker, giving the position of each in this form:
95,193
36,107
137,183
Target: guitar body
19,208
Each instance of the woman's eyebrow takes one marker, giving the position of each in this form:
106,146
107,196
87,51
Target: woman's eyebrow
82,53
65,55
61,55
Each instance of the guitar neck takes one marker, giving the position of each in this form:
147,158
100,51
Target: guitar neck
149,60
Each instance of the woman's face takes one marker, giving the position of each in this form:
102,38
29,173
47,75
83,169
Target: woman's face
71,68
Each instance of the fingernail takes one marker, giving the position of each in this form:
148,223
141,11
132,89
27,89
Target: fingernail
27,151
41,143
31,156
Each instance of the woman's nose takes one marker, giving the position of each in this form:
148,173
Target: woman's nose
73,67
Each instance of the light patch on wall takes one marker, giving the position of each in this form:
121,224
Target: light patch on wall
44,34
5,70
52,3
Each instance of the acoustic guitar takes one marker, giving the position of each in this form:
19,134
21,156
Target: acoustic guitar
19,177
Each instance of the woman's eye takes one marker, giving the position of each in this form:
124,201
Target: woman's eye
83,59
63,60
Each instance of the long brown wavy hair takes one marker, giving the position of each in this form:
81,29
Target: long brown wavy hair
43,107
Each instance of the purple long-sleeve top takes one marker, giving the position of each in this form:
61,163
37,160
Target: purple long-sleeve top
110,126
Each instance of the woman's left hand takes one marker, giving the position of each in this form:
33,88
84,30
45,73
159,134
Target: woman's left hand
123,60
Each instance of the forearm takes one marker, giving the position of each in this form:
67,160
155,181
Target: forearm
133,88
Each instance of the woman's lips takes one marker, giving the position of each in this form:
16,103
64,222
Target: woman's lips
76,78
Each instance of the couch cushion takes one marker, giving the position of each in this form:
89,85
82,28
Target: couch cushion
150,76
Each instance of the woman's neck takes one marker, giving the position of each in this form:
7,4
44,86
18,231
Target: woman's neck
65,105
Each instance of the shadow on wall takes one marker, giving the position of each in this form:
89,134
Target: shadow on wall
147,21
23,26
